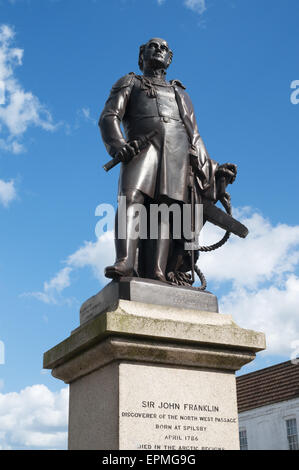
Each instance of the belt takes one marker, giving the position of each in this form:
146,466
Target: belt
161,118
169,119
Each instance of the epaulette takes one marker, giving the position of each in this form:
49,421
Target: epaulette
177,82
123,82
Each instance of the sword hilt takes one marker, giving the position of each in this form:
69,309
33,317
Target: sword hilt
143,141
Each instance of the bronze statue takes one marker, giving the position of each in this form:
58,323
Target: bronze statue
163,160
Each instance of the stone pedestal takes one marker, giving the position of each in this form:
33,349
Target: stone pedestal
153,376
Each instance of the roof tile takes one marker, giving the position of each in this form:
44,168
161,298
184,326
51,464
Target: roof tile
267,386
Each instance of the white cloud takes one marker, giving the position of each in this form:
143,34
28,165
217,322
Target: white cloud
34,418
60,281
20,109
94,255
53,288
198,6
12,146
263,274
265,255
85,115
273,310
7,192
259,274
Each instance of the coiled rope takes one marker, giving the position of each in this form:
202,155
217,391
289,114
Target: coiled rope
215,246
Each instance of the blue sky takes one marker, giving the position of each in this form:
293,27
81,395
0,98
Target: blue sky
58,61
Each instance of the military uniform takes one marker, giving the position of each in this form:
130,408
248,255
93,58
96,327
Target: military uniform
143,104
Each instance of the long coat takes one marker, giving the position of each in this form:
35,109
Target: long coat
142,105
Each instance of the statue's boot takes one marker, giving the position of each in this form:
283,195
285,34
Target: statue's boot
125,255
126,248
161,258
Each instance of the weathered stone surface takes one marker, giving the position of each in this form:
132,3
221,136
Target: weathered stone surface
93,417
145,291
122,349
153,407
155,377
143,321
187,409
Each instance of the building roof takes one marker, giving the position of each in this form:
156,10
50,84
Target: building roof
267,386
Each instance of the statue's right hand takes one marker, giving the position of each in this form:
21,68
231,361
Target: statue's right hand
127,153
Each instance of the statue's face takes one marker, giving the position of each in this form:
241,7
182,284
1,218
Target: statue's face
157,54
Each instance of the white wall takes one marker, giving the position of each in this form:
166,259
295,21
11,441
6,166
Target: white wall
266,426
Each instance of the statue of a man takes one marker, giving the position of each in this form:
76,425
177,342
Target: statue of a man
160,172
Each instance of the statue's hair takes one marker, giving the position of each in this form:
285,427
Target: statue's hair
140,59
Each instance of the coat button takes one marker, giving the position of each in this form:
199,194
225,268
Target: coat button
166,119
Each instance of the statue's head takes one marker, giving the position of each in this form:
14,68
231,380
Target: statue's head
155,54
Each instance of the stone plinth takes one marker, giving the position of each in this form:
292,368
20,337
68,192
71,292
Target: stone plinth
149,376
149,292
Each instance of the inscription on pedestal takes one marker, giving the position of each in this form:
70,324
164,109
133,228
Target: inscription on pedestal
171,409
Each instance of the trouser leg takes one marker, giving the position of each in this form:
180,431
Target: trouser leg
126,238
161,258
162,244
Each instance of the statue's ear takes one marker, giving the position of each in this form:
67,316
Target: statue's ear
140,59
170,59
